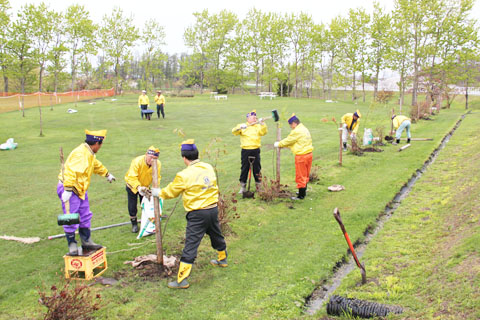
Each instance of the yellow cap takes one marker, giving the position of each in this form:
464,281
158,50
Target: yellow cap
97,135
153,151
188,145
358,113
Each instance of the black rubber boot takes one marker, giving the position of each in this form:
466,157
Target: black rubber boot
72,244
87,243
408,140
344,146
301,194
134,222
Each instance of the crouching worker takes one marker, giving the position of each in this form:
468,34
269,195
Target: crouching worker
300,143
139,178
400,123
73,185
198,184
350,124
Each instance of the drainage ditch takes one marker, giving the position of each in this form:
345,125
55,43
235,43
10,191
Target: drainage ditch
316,300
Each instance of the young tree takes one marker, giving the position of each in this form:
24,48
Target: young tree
117,35
56,55
4,30
335,41
153,38
80,37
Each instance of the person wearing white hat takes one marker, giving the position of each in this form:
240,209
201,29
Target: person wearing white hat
143,102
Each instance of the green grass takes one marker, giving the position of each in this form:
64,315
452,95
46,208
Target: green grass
277,255
426,258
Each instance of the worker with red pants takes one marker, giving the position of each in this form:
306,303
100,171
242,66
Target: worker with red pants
73,185
300,143
198,183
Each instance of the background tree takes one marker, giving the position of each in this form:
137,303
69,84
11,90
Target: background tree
56,55
4,53
118,35
153,38
80,37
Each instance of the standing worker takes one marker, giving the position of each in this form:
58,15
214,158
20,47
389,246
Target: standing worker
160,101
198,183
400,123
250,135
300,143
139,178
73,185
143,102
350,124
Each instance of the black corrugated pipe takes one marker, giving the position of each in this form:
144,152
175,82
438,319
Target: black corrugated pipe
338,306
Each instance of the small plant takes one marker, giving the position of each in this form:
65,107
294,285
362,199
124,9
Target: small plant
227,211
73,301
271,189
314,174
384,96
379,134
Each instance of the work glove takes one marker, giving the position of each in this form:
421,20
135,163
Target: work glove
276,144
142,190
243,126
155,192
261,120
66,196
110,177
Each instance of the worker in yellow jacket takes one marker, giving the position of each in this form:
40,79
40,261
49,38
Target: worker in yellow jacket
400,123
160,101
300,143
198,184
350,124
143,102
138,179
73,185
250,141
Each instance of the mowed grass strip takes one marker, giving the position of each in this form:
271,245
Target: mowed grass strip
277,255
426,258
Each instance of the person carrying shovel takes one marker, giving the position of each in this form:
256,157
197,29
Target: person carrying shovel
300,143
400,123
250,136
73,185
350,124
138,179
198,183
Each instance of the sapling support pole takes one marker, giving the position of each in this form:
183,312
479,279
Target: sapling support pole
336,214
391,121
279,137
156,207
340,130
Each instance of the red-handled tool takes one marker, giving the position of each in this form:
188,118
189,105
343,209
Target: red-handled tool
336,214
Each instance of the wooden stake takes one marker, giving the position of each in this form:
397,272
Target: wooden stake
341,147
391,120
156,207
404,147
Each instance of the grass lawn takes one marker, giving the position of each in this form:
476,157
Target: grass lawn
426,258
277,255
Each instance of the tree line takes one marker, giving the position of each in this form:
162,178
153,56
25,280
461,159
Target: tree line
431,44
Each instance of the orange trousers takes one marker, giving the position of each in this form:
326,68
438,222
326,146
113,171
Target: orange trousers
303,164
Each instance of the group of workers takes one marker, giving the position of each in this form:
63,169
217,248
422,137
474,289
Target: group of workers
144,103
197,183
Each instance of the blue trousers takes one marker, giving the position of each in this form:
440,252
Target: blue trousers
405,124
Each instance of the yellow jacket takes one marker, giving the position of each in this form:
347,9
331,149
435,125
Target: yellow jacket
299,140
250,137
140,174
198,183
80,165
143,99
397,121
348,119
159,99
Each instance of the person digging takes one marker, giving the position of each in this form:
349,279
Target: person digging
350,124
73,185
138,179
400,123
198,183
250,141
300,143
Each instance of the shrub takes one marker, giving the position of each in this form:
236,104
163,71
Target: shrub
227,211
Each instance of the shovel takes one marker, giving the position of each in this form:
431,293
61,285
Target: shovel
336,214
68,218
248,193
274,116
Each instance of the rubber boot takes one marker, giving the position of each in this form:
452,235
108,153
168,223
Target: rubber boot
301,194
221,260
408,140
134,222
72,244
396,142
242,187
344,146
183,273
87,243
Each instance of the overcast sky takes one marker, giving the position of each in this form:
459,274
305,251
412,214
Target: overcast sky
176,16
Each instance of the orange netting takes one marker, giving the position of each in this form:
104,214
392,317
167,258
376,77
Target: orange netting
14,101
